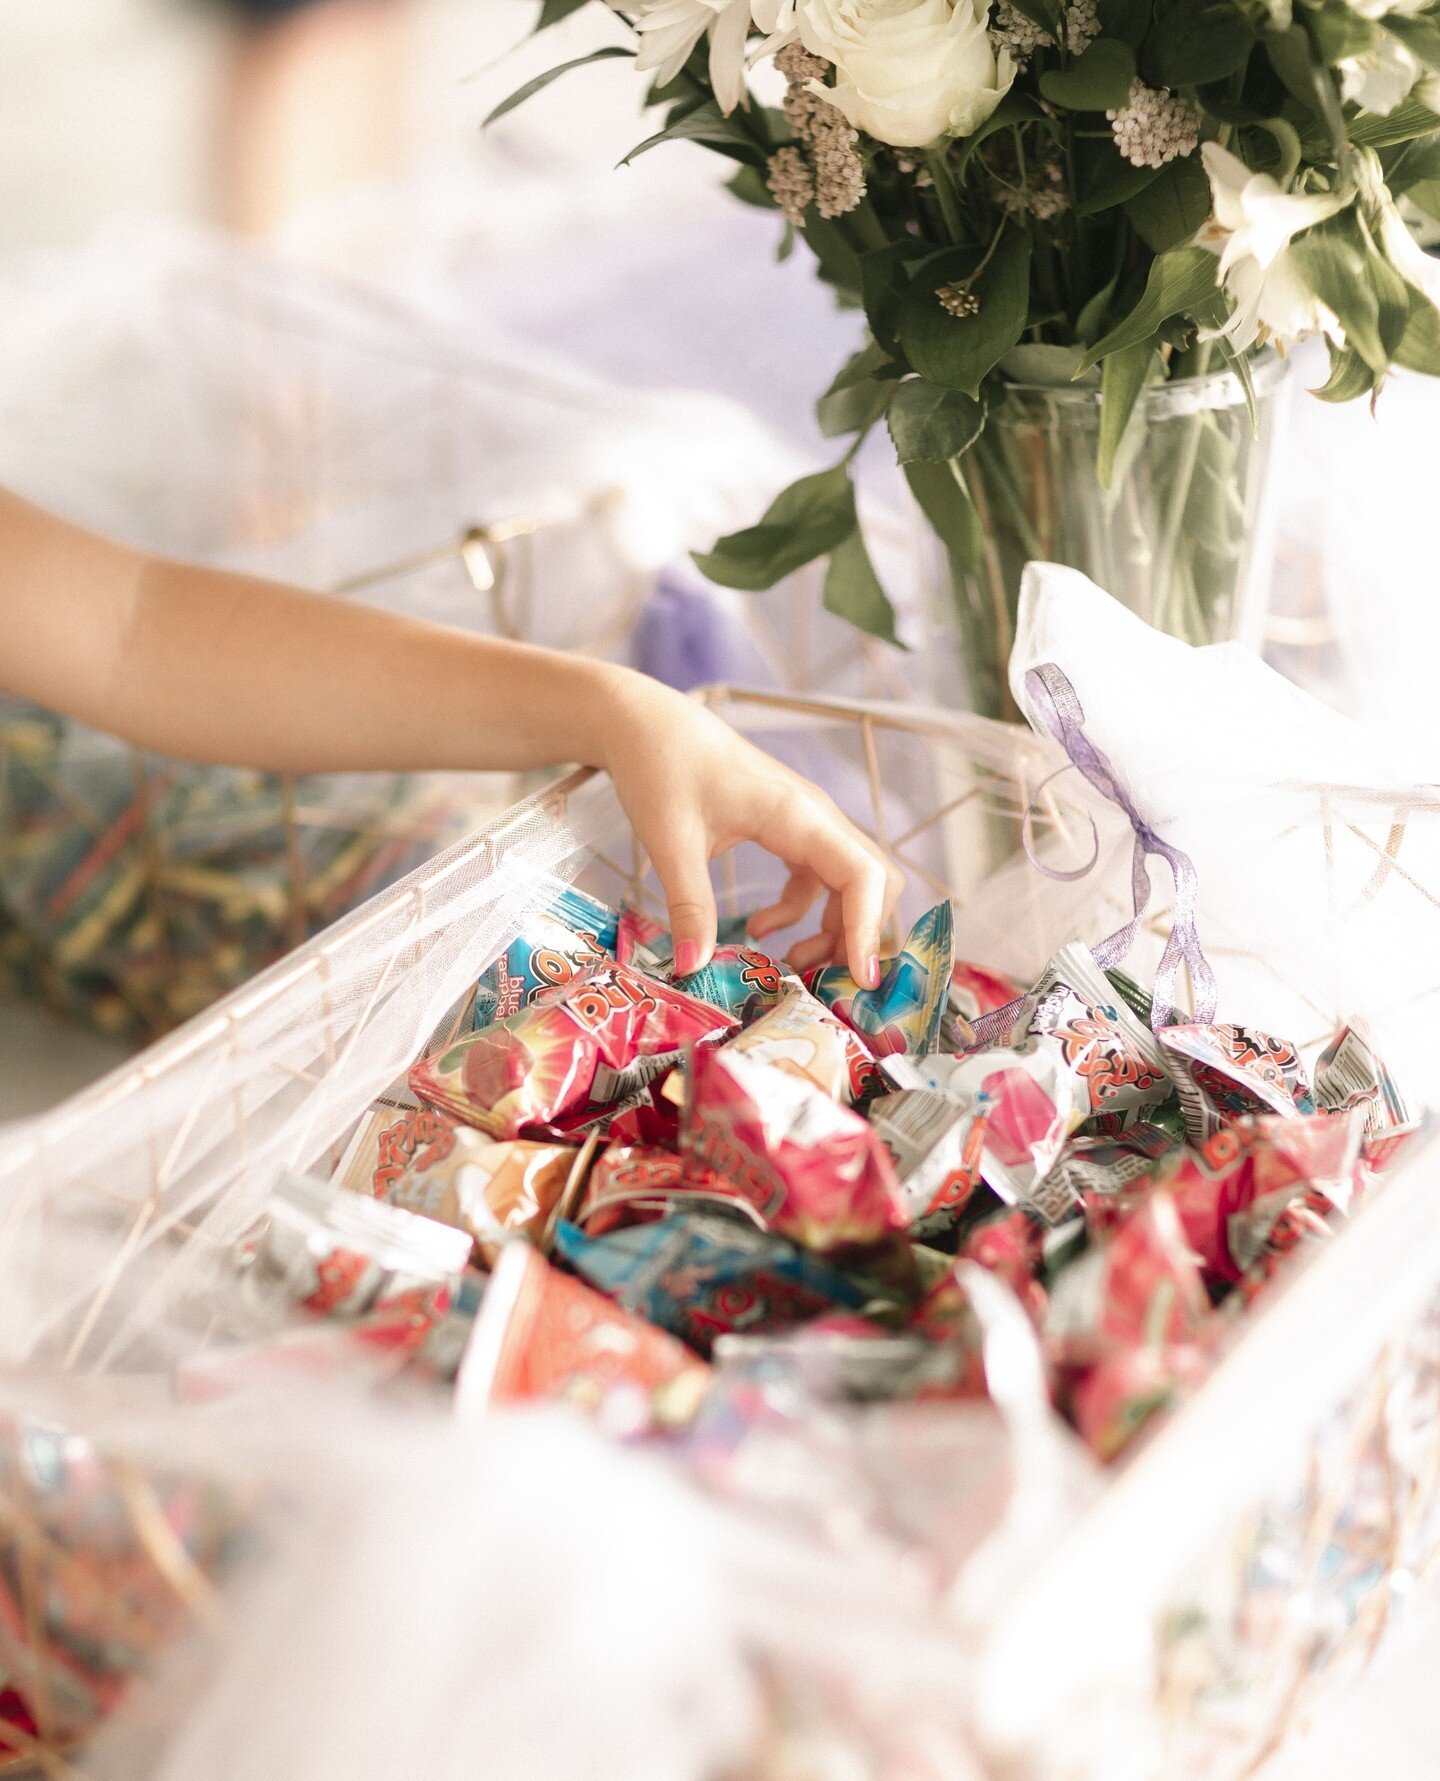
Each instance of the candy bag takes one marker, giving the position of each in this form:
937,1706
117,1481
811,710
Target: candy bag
392,1140
1222,1072
1024,1104
701,1276
802,1037
904,1013
1094,1171
1230,1191
1349,1073
493,1189
543,1335
1139,1285
1116,1397
1115,1058
1011,1246
634,1184
578,1054
740,980
575,932
342,1255
935,1143
812,1169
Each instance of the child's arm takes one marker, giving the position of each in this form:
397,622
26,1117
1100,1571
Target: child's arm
217,667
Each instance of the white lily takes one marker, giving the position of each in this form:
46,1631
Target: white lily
670,29
1253,223
1380,79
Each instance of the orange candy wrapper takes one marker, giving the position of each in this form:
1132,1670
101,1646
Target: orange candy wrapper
545,1336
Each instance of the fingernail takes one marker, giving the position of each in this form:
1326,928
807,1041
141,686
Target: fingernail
687,957
872,972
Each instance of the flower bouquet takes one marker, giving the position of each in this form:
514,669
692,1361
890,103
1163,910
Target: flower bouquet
1083,234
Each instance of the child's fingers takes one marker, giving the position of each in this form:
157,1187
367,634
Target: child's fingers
801,890
865,884
682,864
819,949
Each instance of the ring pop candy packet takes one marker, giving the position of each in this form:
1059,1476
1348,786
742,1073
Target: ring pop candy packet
700,1276
1074,1007
973,992
635,1184
492,1188
551,948
1349,1073
579,1053
1222,1072
740,980
1021,1107
813,1170
392,1140
802,1037
905,1012
543,1335
1231,1190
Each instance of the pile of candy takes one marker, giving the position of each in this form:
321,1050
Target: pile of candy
103,1562
134,891
602,1178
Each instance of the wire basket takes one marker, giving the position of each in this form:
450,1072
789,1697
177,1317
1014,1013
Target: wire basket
1260,1538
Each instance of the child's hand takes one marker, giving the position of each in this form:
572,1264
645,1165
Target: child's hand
693,788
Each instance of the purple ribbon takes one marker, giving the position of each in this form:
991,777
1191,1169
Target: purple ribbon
1059,710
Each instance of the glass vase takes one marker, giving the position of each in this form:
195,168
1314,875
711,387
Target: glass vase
1183,535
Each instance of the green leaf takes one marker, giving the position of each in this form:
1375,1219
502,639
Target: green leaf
748,185
853,591
1113,180
1421,36
807,520
940,491
1419,348
1338,31
706,124
1052,367
1092,315
1099,80
1366,294
959,351
552,11
1127,20
1013,109
1409,119
1290,55
1194,42
859,395
541,81
928,422
837,261
1122,377
1179,280
1349,377
1172,207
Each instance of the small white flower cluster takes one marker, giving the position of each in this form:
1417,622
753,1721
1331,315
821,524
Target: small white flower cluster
1043,196
1082,25
1011,29
1155,126
825,168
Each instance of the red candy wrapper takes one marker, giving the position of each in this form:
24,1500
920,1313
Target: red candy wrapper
1230,1192
1140,1285
632,1184
1116,1060
1223,1072
935,1143
1123,1390
579,1054
492,1188
542,1335
393,1140
813,1170
1011,1246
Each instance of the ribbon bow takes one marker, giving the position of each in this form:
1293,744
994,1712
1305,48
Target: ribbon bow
1057,707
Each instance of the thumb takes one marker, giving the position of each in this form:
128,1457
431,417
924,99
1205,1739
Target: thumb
682,864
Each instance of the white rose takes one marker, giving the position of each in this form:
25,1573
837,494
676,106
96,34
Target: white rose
908,71
1255,219
670,29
